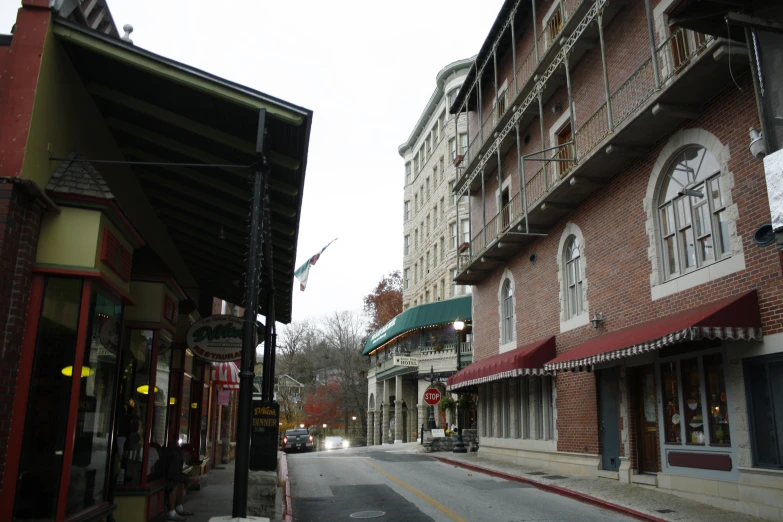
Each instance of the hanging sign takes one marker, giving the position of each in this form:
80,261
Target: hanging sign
217,338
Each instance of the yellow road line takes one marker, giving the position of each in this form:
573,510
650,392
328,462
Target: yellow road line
419,494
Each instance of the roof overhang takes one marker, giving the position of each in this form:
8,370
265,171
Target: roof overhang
161,111
710,16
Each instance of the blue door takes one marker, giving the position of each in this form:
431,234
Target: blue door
608,419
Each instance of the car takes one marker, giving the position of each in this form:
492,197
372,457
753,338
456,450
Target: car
331,443
297,439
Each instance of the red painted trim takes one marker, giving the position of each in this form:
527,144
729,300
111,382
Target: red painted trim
110,285
70,432
581,497
14,449
105,204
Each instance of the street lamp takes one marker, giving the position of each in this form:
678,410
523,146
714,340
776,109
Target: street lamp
459,446
353,430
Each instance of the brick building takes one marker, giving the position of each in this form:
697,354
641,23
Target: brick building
626,324
105,263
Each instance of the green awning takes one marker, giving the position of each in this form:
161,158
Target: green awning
432,314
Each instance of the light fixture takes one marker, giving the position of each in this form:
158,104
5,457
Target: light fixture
764,235
173,401
145,389
301,425
757,144
324,426
193,405
354,417
597,319
459,324
86,371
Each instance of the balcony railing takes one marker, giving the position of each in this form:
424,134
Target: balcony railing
419,356
673,55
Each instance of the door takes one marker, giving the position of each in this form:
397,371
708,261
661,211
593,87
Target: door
648,420
504,200
608,421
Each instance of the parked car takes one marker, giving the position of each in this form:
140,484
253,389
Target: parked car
297,439
335,443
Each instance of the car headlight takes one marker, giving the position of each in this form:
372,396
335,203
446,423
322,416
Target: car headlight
328,445
345,444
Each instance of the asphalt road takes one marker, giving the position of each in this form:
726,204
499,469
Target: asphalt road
368,483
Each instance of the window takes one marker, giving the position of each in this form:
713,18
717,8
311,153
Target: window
453,283
523,411
764,390
435,256
507,335
692,218
442,248
465,231
427,182
421,267
695,407
415,272
427,296
453,228
453,195
501,104
407,211
441,168
554,24
435,217
573,278
416,162
408,175
565,153
428,262
442,289
442,208
463,143
453,149
452,97
435,176
416,238
416,202
407,278
428,225
407,244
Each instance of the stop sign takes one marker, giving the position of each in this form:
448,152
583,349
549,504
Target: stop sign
432,396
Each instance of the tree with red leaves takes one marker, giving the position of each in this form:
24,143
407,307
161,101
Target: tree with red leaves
385,301
322,406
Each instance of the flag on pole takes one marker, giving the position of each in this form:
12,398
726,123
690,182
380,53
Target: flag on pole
304,271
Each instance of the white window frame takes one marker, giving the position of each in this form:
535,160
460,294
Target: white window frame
407,273
407,244
507,339
573,288
568,323
545,23
661,287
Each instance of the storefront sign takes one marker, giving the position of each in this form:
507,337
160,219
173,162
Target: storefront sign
438,434
263,436
400,360
217,338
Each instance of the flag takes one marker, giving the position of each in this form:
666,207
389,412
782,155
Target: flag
304,271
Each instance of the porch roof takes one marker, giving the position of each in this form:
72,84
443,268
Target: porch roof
735,317
159,111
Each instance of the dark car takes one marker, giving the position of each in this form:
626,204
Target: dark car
297,439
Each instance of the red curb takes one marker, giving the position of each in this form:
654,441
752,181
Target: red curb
288,512
581,497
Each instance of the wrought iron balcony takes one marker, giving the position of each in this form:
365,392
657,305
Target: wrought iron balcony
421,359
692,69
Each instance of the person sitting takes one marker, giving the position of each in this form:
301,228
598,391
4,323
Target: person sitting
175,483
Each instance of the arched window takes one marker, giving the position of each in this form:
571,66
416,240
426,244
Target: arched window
508,312
692,217
574,304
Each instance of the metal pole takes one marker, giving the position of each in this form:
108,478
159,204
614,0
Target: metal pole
241,469
520,173
481,118
484,209
570,104
467,128
470,227
541,126
497,87
459,446
500,193
431,420
656,71
600,21
514,50
535,31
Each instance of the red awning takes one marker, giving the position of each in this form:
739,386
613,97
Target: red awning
226,374
736,317
526,360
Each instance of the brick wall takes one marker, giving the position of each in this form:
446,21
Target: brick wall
20,220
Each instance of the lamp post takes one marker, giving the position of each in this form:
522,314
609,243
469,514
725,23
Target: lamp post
431,419
353,428
459,446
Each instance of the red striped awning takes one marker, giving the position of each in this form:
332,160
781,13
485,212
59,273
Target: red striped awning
226,374
525,360
736,317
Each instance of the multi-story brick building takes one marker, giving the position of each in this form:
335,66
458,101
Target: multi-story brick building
626,323
421,344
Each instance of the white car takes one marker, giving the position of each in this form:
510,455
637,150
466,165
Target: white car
331,443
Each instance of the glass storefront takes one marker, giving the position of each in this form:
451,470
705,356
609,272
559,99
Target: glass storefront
48,406
160,406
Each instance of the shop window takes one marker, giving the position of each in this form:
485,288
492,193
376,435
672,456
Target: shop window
764,388
90,463
158,436
691,394
43,444
132,416
671,403
184,419
523,416
718,410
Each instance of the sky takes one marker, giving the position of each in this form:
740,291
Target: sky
365,68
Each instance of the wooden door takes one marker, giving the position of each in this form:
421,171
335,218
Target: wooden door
649,453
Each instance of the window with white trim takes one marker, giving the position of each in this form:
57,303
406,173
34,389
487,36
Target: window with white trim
573,278
453,228
453,195
453,149
507,335
692,218
407,210
407,278
415,272
465,231
407,244
442,248
408,175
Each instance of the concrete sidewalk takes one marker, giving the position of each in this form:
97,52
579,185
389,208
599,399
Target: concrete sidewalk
642,502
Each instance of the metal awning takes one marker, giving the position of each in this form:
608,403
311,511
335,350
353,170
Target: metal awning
426,315
161,111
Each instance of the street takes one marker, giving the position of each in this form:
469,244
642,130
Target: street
402,485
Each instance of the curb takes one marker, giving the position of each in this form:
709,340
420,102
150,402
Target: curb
581,497
288,513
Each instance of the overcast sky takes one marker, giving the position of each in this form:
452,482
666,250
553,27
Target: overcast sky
365,68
